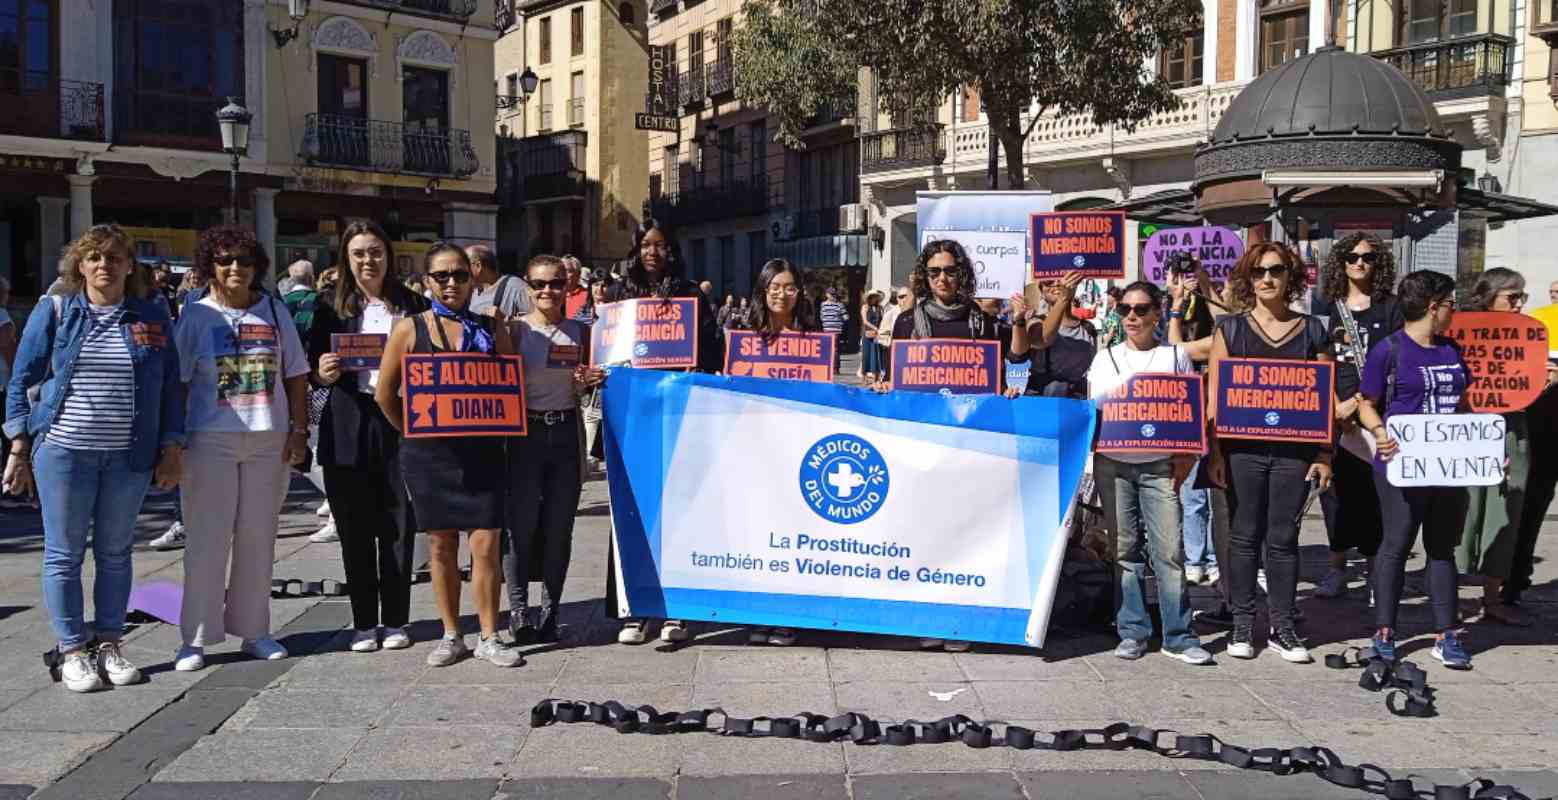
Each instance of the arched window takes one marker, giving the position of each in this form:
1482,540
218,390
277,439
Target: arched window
625,13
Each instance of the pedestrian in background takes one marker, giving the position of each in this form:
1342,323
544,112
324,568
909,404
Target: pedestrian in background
492,292
359,450
545,476
456,483
902,300
870,322
8,340
577,300
246,374
834,316
109,417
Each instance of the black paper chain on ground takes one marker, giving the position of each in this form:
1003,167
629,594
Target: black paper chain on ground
863,730
1402,682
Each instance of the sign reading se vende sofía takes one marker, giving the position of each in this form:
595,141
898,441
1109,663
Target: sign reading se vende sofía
649,332
948,366
1507,355
1153,413
1275,400
463,394
788,356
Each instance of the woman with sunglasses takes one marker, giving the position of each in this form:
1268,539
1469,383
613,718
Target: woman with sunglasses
246,374
656,271
1494,532
1267,482
545,476
1417,370
1058,345
456,483
359,450
1140,492
1359,276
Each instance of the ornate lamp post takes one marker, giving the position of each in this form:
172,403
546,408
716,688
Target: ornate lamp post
234,119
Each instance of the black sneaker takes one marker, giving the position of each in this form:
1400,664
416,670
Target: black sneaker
1285,641
547,633
524,635
1242,643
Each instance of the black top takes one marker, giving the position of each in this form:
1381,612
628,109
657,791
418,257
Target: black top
1379,320
1245,339
711,342
1060,370
975,325
352,430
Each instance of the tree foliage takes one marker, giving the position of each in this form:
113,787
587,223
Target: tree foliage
1025,56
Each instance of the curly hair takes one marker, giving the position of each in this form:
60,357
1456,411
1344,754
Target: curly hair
1241,287
919,281
1333,276
103,239
230,239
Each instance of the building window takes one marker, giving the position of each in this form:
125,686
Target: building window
722,31
1434,20
545,38
575,229
576,32
970,104
1180,65
175,63
544,105
425,99
727,156
759,152
672,170
513,84
697,260
576,100
27,57
1284,31
625,13
695,51
757,253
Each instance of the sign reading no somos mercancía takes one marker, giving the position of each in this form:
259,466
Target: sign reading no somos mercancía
1153,413
1089,242
1275,400
649,332
948,366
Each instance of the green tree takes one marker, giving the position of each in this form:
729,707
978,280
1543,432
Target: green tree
1066,56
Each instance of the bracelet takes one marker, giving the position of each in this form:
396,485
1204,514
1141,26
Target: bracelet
1176,315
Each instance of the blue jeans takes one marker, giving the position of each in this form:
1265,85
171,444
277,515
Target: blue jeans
1197,504
83,490
1138,499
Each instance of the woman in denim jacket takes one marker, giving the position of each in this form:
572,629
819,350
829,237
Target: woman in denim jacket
94,409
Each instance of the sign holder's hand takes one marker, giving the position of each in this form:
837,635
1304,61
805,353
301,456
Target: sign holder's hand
329,368
1319,474
1385,445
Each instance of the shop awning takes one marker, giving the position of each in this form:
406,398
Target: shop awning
1174,208
850,250
1500,207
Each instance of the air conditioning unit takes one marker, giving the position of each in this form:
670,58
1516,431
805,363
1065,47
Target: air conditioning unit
781,225
852,218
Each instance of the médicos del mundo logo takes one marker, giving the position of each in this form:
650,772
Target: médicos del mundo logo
843,479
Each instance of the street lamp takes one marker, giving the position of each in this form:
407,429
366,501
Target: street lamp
527,86
297,10
234,119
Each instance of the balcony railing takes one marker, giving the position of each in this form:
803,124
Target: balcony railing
49,107
833,112
451,9
903,148
504,14
552,165
689,87
1455,68
332,140
167,119
739,198
576,112
721,76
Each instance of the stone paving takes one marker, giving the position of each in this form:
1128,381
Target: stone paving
333,724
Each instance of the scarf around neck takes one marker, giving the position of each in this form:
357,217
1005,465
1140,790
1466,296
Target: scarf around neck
931,309
476,338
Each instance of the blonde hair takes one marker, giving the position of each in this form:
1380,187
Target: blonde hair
103,239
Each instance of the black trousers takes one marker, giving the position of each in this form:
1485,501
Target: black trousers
544,486
1540,484
1351,506
374,520
1441,512
1266,492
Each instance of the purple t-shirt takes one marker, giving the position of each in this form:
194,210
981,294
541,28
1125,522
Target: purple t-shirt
1429,380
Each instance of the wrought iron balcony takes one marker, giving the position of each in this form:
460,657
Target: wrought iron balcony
834,112
1455,68
739,198
552,166
167,119
50,108
661,6
332,140
689,87
504,15
450,9
721,77
903,148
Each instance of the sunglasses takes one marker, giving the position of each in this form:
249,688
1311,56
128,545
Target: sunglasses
1260,273
224,260
1368,258
555,284
459,276
1139,309
936,272
1516,298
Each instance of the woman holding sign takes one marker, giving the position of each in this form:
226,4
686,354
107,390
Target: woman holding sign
1417,370
545,476
1268,482
359,450
1140,491
456,482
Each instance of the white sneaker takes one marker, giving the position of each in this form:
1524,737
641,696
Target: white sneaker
674,630
79,672
323,510
114,666
1194,574
632,632
325,535
189,659
1213,575
365,641
1260,580
396,639
266,649
172,540
1333,584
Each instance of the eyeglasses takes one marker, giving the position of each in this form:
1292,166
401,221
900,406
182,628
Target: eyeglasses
459,276
1368,258
936,272
1260,273
361,255
227,258
1139,309
1448,302
783,288
1515,298
555,284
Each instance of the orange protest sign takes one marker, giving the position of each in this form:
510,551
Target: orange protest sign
1507,355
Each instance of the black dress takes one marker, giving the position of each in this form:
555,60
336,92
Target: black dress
455,483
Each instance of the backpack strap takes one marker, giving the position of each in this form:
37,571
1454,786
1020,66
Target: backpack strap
1392,362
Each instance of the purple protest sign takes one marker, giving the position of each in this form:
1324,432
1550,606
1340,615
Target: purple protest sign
1217,249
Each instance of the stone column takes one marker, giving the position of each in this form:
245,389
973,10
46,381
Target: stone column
80,203
265,229
51,239
471,223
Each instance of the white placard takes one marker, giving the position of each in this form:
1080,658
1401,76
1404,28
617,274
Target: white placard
1446,450
1000,259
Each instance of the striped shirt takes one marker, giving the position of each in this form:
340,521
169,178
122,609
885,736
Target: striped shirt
834,315
99,403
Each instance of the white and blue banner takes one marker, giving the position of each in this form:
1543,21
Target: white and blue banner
820,506
991,226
